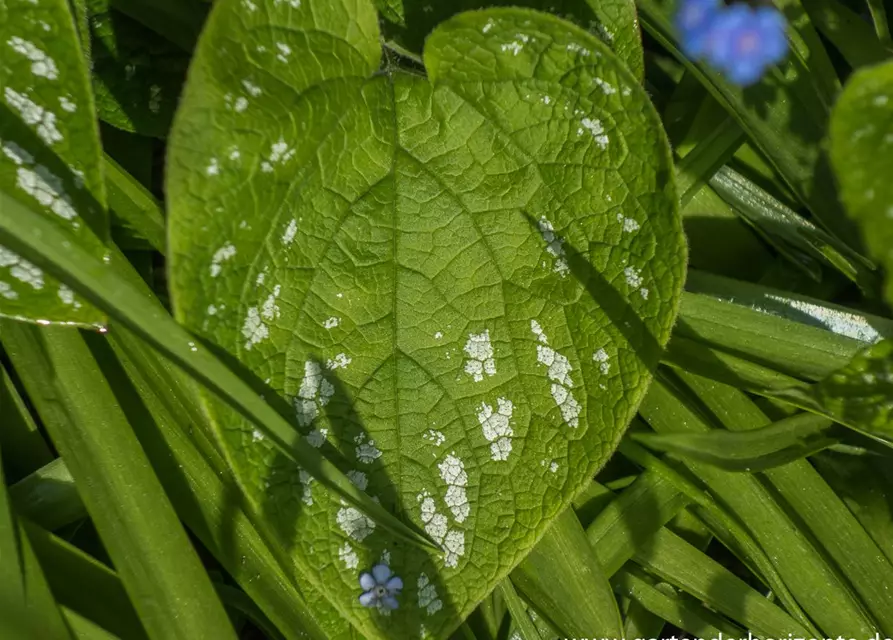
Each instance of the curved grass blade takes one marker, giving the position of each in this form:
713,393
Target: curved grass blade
138,526
771,446
108,290
133,203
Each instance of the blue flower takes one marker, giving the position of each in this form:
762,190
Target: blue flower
743,42
694,20
380,588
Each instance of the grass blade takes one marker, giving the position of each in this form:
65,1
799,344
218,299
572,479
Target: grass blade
22,444
33,237
48,497
82,584
771,446
563,579
525,627
133,203
137,524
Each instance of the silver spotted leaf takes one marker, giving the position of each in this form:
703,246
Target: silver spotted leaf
457,285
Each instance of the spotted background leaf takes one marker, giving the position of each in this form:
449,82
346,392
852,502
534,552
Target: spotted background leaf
458,286
616,22
137,74
49,151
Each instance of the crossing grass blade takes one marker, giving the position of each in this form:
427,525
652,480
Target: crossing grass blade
33,237
22,444
138,526
816,584
82,584
525,627
826,518
564,580
48,497
770,446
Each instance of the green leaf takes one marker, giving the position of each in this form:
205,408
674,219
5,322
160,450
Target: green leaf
563,578
771,446
23,447
49,152
157,564
134,204
862,156
399,257
48,497
847,31
785,115
137,74
124,298
615,22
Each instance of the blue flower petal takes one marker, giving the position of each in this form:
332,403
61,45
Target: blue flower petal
771,25
746,72
381,572
693,21
368,599
367,582
395,584
390,602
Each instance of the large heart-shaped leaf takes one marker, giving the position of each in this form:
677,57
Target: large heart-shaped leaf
460,283
50,151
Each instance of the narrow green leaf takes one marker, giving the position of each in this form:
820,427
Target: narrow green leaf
50,153
779,443
815,583
23,447
106,288
823,513
27,606
688,616
862,155
713,150
525,627
665,554
881,24
151,552
85,585
564,580
137,74
798,335
801,241
48,497
766,113
84,629
847,31
133,203
414,342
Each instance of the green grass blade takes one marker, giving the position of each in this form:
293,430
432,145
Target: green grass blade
21,443
824,514
525,627
632,518
790,233
816,584
36,239
764,113
83,584
564,580
84,629
702,162
133,203
771,446
206,497
137,524
690,617
847,31
27,608
723,525
804,337
48,497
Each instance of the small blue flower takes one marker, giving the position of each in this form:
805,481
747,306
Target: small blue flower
693,22
380,588
744,41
